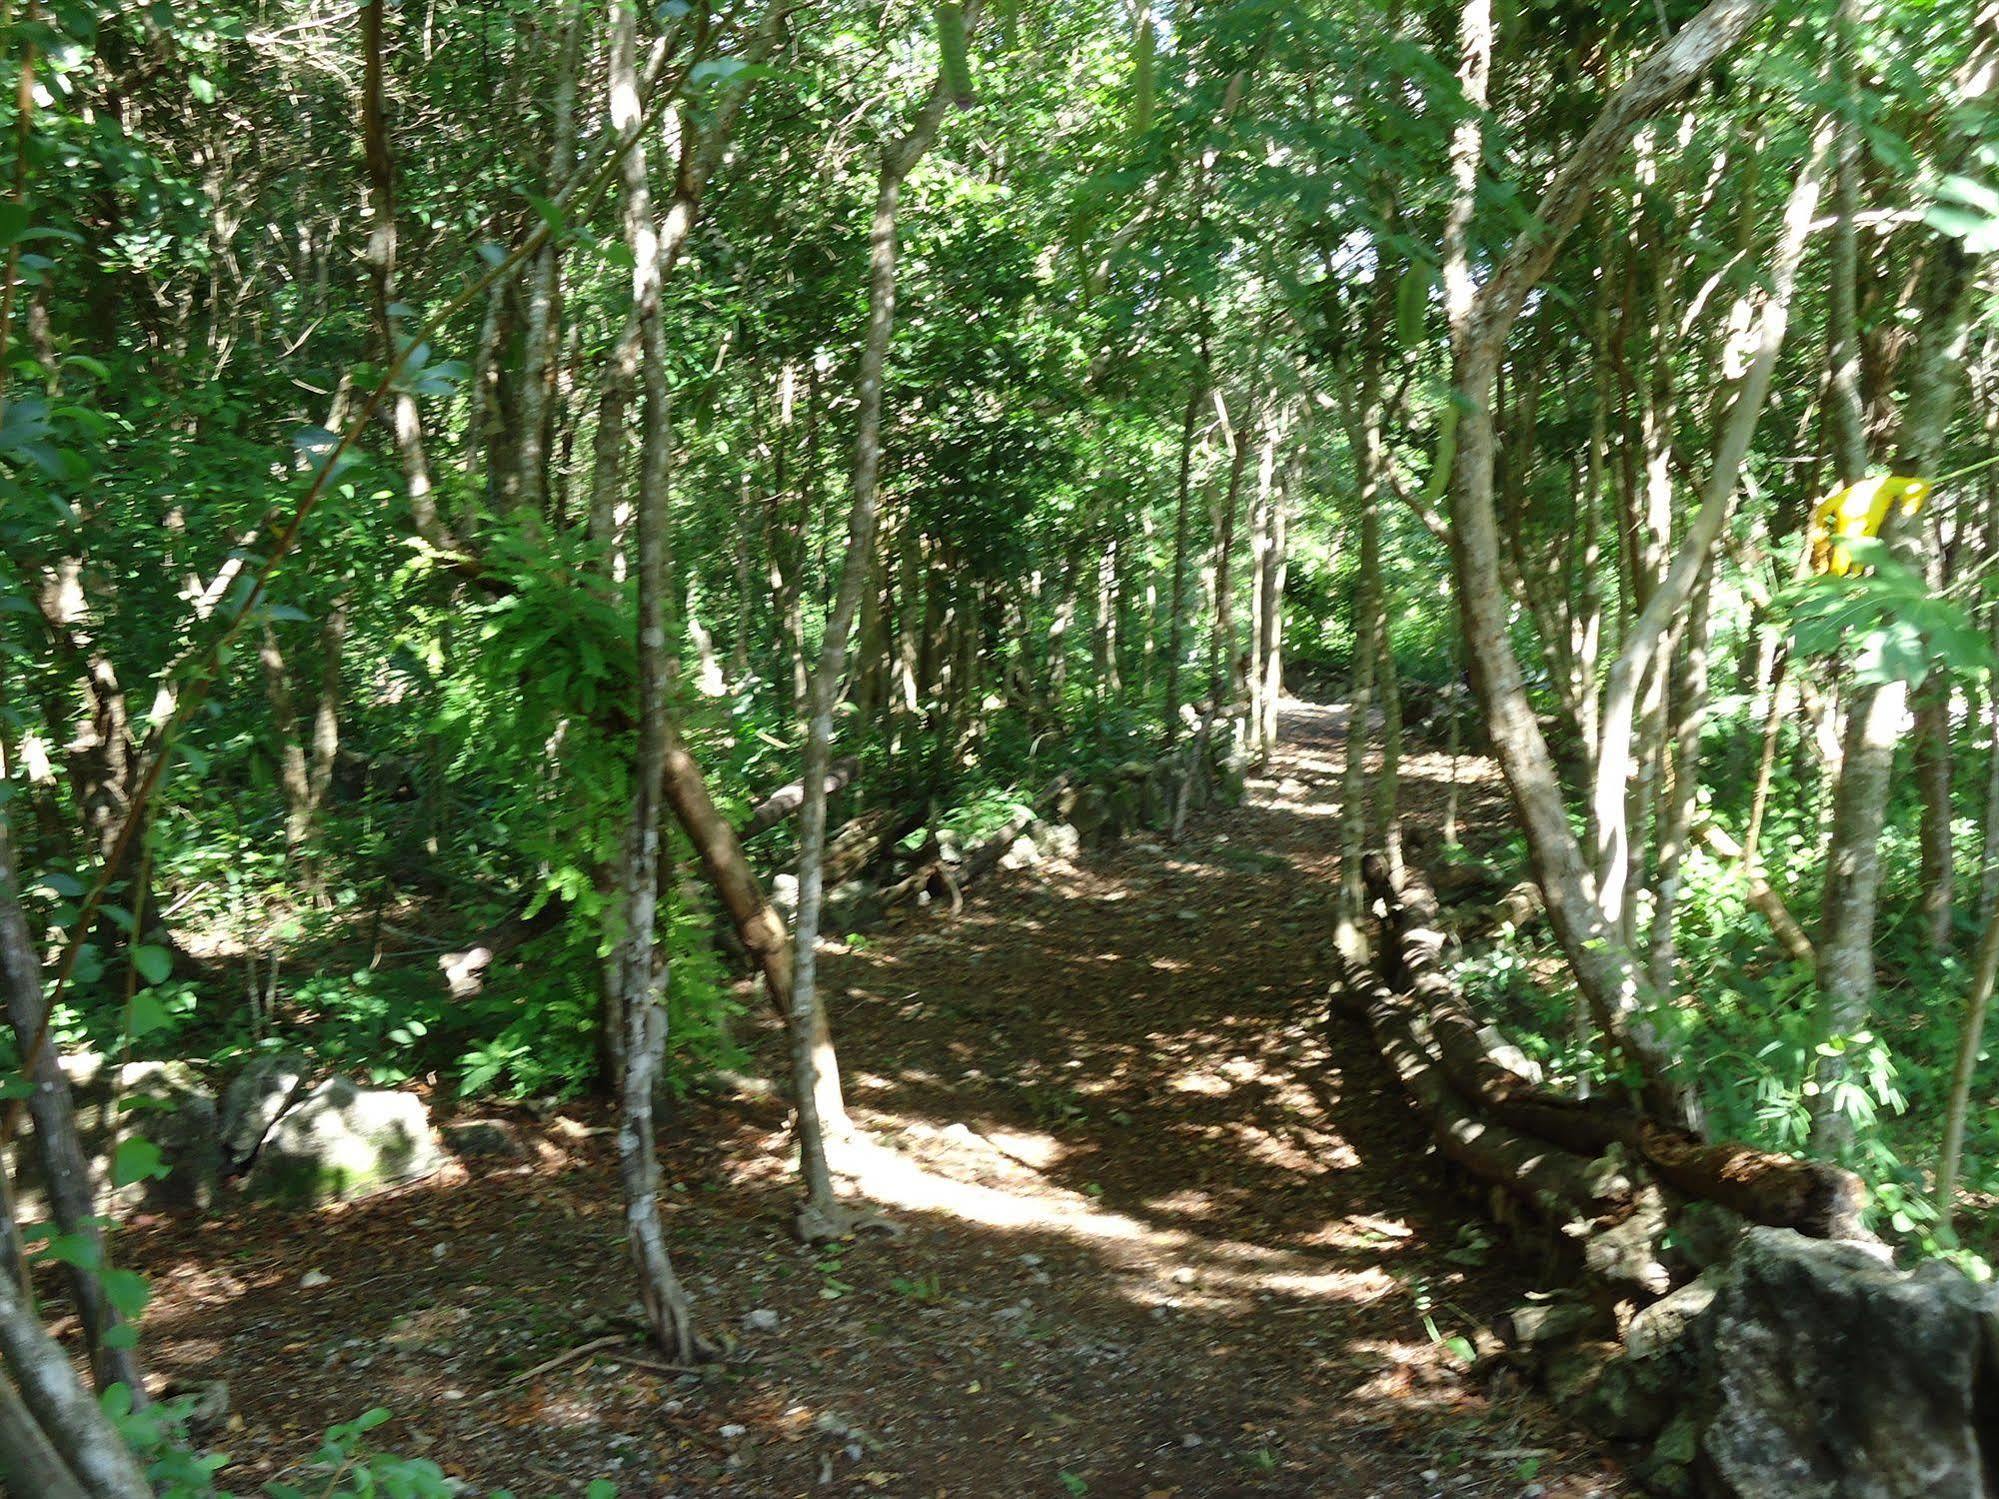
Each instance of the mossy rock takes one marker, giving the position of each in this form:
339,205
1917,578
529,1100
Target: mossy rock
341,1142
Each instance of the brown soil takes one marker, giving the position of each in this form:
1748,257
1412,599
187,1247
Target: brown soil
1163,1232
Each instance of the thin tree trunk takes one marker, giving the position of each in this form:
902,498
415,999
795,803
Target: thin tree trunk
1875,720
1225,675
1348,931
1969,1042
1177,606
65,1170
642,961
814,1065
527,485
404,420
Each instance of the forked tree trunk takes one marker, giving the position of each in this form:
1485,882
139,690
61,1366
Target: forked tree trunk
1606,971
49,1415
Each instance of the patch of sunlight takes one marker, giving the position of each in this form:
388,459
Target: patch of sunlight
1030,1149
562,1411
1198,1079
1188,1202
1348,1285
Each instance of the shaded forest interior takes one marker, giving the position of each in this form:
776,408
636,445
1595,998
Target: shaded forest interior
1345,652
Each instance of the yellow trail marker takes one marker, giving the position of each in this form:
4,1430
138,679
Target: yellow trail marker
1859,510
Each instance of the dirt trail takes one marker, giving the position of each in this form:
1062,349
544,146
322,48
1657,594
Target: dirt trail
1164,1233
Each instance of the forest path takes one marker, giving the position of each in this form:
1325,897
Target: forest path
1115,1082
1164,1233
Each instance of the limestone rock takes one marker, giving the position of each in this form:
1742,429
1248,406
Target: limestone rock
1834,1376
850,908
252,1102
343,1141
1022,853
1056,840
162,1102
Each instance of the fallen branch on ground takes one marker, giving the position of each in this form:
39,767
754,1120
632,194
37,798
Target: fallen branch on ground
1817,1199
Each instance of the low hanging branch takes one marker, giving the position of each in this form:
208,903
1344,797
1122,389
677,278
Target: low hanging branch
1816,1199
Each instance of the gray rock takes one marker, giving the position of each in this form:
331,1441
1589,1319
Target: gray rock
1625,1399
1543,1324
343,1141
1667,1328
763,1319
162,1102
1833,1376
252,1102
1705,1233
1087,815
850,908
484,1139
1056,840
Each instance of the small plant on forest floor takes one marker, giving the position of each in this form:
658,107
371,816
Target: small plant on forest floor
925,1286
1260,1460
1473,1247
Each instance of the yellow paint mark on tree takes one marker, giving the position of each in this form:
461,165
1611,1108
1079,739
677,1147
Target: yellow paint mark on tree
1859,511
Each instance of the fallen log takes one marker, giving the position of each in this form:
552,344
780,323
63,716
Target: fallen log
786,800
1814,1198
1518,909
758,926
861,841
1556,1183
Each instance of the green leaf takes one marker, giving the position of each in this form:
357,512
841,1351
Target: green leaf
79,1250
120,1335
126,1290
551,215
716,70
147,1015
154,963
136,1159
